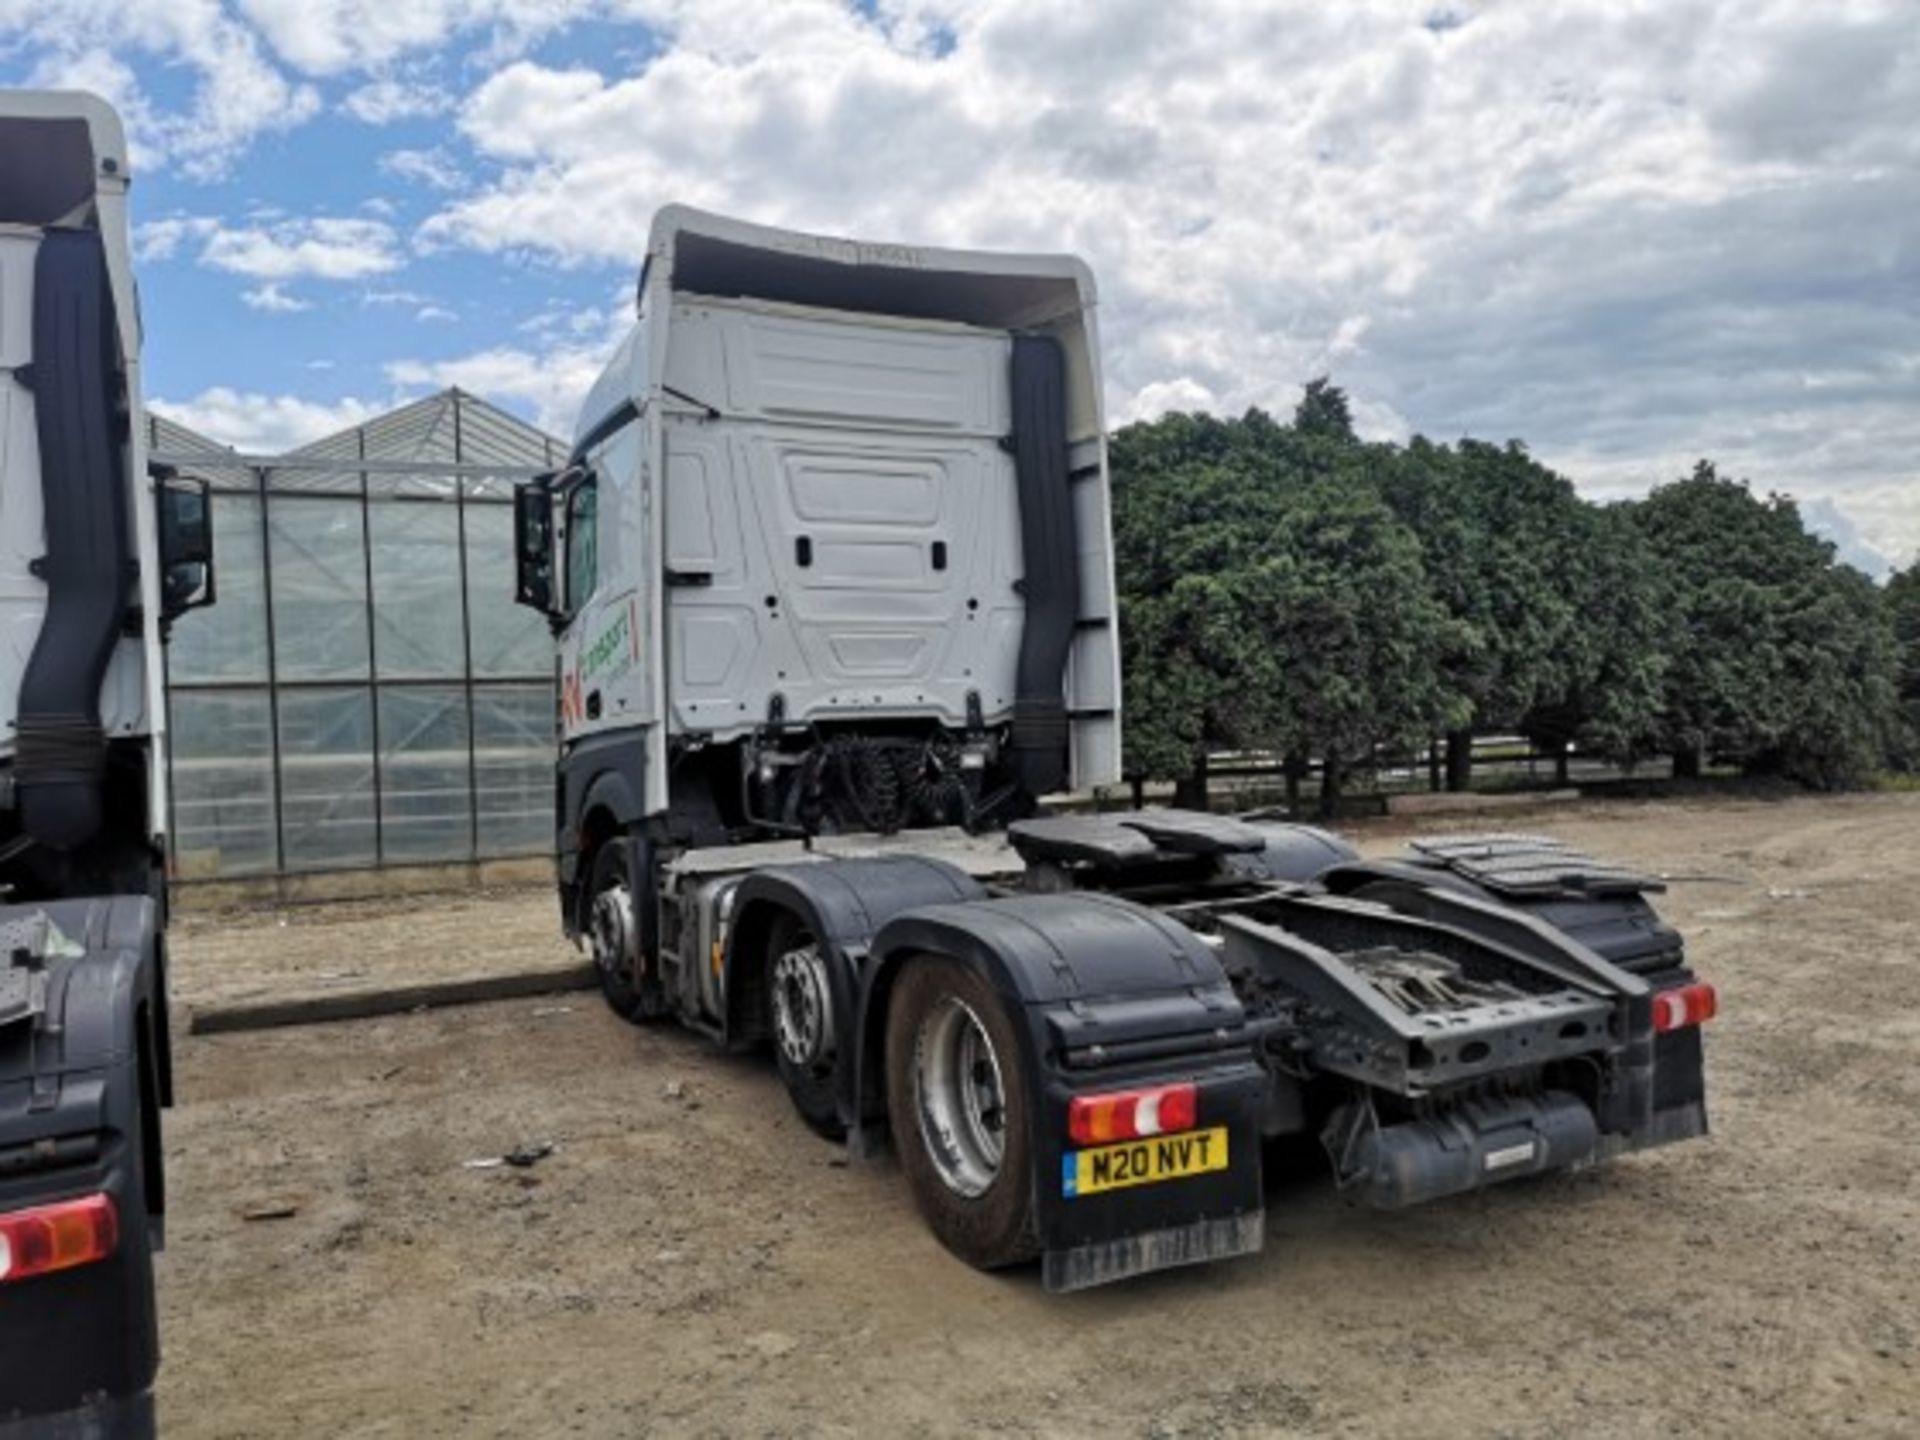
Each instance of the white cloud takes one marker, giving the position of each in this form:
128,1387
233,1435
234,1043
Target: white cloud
435,168
328,36
238,93
1632,235
263,424
161,239
1624,236
1830,520
435,312
381,102
270,297
321,248
546,381
1161,397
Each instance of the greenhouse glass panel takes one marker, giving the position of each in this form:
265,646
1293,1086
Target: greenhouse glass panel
363,691
319,588
508,639
326,777
425,786
513,759
228,639
222,766
417,630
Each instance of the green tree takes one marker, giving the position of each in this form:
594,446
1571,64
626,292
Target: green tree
1778,659
1901,603
1323,411
1524,566
1614,654
1269,599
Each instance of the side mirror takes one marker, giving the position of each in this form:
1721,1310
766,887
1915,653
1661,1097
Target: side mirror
533,543
186,544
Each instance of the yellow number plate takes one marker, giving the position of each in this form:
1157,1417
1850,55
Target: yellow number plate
1143,1162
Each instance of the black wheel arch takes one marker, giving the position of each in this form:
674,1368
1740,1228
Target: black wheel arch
599,793
841,904
1074,968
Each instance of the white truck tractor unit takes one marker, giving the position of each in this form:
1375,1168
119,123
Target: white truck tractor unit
830,572
97,556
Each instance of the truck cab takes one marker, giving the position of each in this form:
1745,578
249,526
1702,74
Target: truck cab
97,556
832,553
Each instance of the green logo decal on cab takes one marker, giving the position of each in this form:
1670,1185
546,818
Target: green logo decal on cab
611,654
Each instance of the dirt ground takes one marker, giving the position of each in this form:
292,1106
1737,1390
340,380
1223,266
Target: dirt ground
350,946
690,1261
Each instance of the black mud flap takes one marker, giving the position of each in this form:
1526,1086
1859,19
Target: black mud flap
1097,1237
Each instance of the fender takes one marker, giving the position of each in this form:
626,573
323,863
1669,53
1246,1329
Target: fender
1105,993
599,770
843,903
1297,853
1346,878
613,791
1099,978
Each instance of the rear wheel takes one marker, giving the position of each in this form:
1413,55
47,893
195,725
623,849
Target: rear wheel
959,1108
805,1039
614,936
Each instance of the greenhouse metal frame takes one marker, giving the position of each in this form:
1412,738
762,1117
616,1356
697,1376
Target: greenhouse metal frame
363,693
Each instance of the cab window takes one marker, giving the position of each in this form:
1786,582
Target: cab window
583,542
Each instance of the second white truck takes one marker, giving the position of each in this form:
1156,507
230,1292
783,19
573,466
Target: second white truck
97,556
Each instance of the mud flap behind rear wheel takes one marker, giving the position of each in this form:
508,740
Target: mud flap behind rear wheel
1193,1244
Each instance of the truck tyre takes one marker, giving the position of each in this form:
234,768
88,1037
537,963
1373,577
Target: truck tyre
805,1028
617,938
960,1111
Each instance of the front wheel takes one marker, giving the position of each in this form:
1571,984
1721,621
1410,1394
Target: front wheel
614,935
959,1107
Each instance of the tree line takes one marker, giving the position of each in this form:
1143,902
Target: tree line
1290,588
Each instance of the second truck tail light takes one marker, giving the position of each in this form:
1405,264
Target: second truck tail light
1131,1114
1686,1005
57,1237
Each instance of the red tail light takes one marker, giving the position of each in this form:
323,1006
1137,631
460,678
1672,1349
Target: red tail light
1683,1006
1130,1114
57,1237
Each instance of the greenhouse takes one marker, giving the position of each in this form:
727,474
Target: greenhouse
364,692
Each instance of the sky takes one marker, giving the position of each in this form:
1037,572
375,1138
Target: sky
1629,234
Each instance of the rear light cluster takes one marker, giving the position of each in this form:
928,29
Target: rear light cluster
1685,1005
1131,1114
57,1237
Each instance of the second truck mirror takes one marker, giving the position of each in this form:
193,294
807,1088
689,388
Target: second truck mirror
186,545
533,543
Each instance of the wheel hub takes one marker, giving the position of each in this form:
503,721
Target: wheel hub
612,929
803,1007
960,1098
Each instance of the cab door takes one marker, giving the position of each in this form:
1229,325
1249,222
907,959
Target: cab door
601,528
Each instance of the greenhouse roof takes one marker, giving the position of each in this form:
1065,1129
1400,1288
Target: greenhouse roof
411,450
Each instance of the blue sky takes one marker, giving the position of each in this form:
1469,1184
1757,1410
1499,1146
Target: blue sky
1631,234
